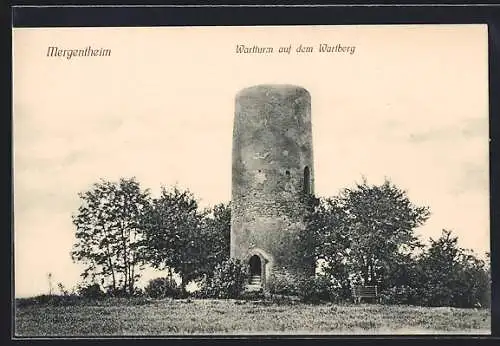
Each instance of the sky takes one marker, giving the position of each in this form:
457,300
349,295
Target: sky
411,104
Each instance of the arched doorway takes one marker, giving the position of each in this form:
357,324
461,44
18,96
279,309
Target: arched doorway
255,266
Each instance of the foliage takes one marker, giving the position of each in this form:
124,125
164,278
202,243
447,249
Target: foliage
228,280
403,294
318,289
163,288
475,277
283,282
365,235
180,237
310,289
443,275
175,236
216,237
121,293
452,276
108,229
62,290
365,231
92,291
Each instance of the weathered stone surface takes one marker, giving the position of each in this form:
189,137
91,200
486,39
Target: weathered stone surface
272,149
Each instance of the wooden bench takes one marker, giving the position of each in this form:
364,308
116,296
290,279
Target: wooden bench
360,292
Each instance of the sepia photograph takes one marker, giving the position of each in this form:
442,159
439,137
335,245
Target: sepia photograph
251,181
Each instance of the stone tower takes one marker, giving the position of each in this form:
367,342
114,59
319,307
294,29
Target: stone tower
272,169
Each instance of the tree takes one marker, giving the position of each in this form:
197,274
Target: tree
365,231
174,234
452,276
108,231
332,247
217,232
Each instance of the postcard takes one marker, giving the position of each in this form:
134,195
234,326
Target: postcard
251,180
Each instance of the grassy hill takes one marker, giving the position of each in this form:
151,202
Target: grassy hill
140,316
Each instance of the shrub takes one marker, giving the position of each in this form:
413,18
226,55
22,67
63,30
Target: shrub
312,289
138,292
162,288
284,283
115,292
452,276
400,295
227,281
123,292
63,289
318,289
92,291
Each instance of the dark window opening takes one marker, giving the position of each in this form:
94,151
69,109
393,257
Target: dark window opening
307,187
255,265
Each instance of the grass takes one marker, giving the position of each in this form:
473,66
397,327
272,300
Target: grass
115,317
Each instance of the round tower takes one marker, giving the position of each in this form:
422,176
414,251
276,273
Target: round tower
272,169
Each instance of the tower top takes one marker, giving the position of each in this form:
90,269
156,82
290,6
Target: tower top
283,89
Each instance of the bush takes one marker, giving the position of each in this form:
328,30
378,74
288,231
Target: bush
63,289
115,292
313,289
163,288
458,293
228,280
285,283
318,289
138,292
92,291
452,276
400,295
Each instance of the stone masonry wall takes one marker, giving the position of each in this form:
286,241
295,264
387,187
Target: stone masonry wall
272,145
